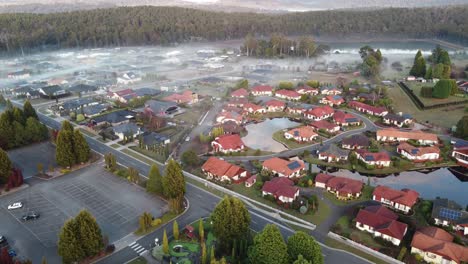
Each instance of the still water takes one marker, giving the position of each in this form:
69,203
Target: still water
260,135
439,183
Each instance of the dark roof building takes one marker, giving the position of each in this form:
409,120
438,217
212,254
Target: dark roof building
116,117
82,88
355,142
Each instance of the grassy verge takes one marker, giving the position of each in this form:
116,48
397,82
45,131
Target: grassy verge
291,144
116,145
138,260
150,154
137,156
338,245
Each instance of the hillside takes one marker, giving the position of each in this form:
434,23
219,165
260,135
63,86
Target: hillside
162,25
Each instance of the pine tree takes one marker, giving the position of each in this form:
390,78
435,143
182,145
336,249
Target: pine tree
419,65
69,246
175,230
66,126
165,243
155,181
18,116
5,166
29,111
201,231
174,185
90,235
81,147
303,244
6,130
203,255
65,155
269,247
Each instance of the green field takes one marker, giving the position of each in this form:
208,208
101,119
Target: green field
416,87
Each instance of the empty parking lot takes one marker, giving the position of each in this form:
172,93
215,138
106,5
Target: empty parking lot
114,202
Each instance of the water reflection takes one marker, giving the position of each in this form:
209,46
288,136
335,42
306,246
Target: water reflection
438,183
260,135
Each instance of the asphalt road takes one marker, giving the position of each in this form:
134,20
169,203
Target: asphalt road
201,204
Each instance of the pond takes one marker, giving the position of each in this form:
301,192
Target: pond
260,135
438,183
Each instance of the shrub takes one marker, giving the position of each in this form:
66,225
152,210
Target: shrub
426,92
442,89
418,257
64,171
156,222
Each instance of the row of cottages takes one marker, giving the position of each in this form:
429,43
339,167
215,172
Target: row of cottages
288,95
284,168
262,90
355,142
393,135
186,97
307,90
240,93
418,154
381,222
123,96
403,200
282,189
275,106
224,171
368,109
319,113
228,144
398,120
378,159
332,100
343,188
346,119
448,213
332,153
301,134
436,245
326,126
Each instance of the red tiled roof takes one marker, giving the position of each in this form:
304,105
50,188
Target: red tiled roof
288,93
406,196
262,88
323,124
320,111
220,168
275,103
438,241
238,101
342,117
281,165
323,178
254,107
345,185
306,89
251,179
335,99
417,151
415,135
382,220
185,97
280,186
230,141
373,156
303,132
240,93
125,92
373,109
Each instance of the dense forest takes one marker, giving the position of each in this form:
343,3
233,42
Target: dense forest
162,25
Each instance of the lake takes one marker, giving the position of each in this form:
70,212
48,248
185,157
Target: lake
439,183
260,135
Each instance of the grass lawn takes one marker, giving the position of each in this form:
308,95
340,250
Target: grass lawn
291,144
445,117
190,116
150,154
416,87
116,145
335,244
138,260
137,156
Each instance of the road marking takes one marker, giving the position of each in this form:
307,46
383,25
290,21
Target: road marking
132,244
143,252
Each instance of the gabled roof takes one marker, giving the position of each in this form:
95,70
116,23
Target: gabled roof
82,88
417,151
406,196
323,124
398,118
344,185
280,186
126,128
438,241
356,140
333,150
230,141
221,168
334,98
373,156
288,93
382,220
52,89
342,117
262,88
154,138
415,135
240,93
303,132
370,108
282,166
320,111
275,103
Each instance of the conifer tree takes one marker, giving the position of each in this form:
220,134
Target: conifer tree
66,126
165,243
174,185
175,230
90,235
155,181
29,111
65,154
81,147
69,246
5,166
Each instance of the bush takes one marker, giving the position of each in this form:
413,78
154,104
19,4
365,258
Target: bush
426,92
418,257
156,222
442,89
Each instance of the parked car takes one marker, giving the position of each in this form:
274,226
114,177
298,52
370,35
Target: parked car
2,240
31,216
15,206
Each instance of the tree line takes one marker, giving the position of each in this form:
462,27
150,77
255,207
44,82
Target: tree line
125,26
20,127
280,45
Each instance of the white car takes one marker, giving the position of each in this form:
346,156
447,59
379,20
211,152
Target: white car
15,206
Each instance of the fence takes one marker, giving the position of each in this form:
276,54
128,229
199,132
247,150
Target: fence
363,248
420,104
